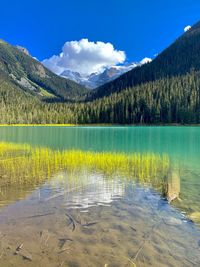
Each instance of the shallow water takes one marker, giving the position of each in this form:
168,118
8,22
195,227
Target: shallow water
100,212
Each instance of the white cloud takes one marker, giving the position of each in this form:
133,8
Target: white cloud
85,57
187,28
145,60
52,64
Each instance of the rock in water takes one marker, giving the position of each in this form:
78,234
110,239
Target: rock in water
173,221
195,216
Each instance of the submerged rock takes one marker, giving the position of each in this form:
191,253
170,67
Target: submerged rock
173,221
195,216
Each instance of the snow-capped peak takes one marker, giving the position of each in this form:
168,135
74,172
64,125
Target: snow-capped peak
145,60
97,79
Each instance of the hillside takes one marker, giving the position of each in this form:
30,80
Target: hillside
21,70
168,100
178,59
164,91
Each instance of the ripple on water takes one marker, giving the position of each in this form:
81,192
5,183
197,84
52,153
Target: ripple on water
131,229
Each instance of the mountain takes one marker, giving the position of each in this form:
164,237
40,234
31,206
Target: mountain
178,59
23,49
168,100
95,80
26,73
109,74
165,91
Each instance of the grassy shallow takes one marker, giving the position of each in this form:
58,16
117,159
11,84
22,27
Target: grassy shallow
101,125
26,125
23,164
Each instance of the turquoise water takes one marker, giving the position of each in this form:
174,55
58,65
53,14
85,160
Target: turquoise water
181,143
94,218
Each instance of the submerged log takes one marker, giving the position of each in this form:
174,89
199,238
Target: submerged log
22,252
89,224
72,221
171,189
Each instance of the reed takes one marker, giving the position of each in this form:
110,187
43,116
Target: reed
23,164
42,125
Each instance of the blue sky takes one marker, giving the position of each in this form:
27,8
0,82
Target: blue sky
141,28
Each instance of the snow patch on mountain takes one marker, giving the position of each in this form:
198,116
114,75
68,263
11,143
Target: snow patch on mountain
97,79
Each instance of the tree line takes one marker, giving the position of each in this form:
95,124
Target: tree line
167,100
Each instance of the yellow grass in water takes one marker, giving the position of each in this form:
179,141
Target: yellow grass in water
28,125
26,164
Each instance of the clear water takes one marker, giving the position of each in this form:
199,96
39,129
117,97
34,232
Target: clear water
92,217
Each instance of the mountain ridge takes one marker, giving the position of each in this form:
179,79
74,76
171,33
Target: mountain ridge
165,91
179,58
95,80
29,74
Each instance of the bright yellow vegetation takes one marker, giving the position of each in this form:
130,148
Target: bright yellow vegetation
23,164
25,125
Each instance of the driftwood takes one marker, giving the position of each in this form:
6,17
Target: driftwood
22,252
18,249
26,255
89,224
132,228
72,221
37,215
33,216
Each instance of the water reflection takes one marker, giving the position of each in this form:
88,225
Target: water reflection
97,177
24,165
130,231
85,208
90,190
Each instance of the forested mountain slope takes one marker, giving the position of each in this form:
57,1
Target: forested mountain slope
168,100
178,59
164,91
26,73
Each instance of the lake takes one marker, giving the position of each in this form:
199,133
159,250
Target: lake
99,196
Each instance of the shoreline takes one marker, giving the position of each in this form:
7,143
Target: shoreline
100,125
